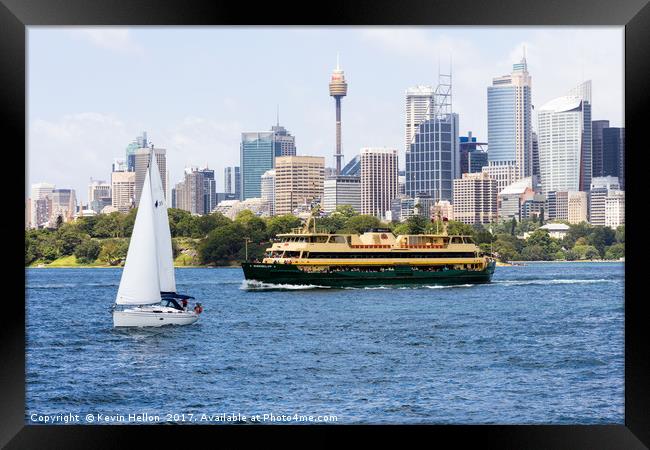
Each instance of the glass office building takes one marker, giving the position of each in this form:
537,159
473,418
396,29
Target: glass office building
432,161
256,157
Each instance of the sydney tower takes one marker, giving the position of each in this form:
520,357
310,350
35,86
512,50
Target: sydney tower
338,90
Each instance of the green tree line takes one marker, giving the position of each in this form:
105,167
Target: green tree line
104,238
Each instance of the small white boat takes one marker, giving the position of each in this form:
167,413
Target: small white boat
148,283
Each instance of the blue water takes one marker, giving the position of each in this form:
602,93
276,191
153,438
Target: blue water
543,343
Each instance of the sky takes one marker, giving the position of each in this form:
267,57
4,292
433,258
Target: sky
91,91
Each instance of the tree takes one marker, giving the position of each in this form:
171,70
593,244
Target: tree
416,224
576,231
586,251
113,251
620,234
455,227
534,253
59,221
615,251
87,251
108,225
346,211
541,216
513,226
222,244
127,222
67,238
284,224
175,216
361,224
601,237
254,227
208,222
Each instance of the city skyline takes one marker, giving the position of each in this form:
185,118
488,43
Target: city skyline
75,133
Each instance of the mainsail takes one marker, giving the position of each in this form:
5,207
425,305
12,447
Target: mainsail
140,282
163,235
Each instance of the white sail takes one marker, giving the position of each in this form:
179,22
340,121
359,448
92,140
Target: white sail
163,235
139,284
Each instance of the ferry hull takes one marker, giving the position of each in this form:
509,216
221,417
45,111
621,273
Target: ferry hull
291,274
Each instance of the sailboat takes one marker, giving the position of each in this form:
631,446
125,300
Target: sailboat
148,284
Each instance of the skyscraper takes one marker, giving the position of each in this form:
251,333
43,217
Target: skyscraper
342,190
564,134
138,142
475,198
510,120
338,90
123,190
378,180
209,190
419,107
257,155
232,181
597,127
285,144
99,195
190,193
64,204
298,181
41,204
268,191
601,188
142,160
613,154
473,154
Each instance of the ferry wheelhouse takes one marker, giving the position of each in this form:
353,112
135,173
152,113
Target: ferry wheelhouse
376,257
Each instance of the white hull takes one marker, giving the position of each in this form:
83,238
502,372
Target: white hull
153,316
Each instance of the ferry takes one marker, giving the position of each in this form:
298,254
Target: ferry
374,258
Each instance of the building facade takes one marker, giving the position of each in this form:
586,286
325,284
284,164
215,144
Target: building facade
615,209
577,207
510,200
510,120
123,191
564,133
256,157
232,181
600,189
268,191
298,180
475,198
142,161
378,180
190,193
473,154
41,204
342,190
284,142
99,195
419,107
613,155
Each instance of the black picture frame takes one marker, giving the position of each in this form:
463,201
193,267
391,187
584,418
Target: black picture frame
16,15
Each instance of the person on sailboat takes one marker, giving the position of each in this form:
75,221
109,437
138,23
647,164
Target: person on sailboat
184,304
198,308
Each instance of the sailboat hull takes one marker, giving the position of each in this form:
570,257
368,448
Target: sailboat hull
153,317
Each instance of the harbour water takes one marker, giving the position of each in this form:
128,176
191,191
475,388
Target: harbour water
543,343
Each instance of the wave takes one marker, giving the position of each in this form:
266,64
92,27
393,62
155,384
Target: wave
554,281
252,285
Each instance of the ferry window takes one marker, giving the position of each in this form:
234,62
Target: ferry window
456,240
337,239
468,240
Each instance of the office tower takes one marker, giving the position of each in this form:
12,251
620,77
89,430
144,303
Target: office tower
614,154
379,177
232,181
600,189
615,209
510,120
597,127
473,154
64,204
99,195
535,155
338,89
511,199
401,182
564,133
268,191
419,107
190,193
353,167
475,198
401,208
209,190
298,181
285,144
432,158
342,190
119,165
577,207
503,174
41,199
142,160
138,142
123,190
256,157
533,205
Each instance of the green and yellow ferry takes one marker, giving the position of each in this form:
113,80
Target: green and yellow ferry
374,258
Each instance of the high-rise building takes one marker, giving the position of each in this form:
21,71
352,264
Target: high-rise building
510,120
41,204
535,155
432,160
615,209
511,199
268,191
503,174
342,190
353,167
64,204
285,144
209,190
298,181
564,133
473,154
557,205
256,157
475,198
419,107
597,127
99,195
119,165
142,160
378,180
338,89
600,189
577,207
614,154
138,142
401,208
190,193
123,190
232,181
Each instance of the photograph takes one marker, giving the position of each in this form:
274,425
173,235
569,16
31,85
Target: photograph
325,225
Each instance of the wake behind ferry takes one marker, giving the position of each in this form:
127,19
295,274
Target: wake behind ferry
374,258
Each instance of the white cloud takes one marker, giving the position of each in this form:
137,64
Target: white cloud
110,38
